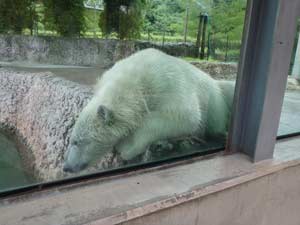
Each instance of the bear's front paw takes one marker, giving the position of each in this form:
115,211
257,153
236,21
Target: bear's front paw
126,151
127,155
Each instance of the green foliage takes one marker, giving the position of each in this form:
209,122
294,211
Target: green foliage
91,20
123,17
163,16
66,17
194,12
16,15
155,20
225,17
228,19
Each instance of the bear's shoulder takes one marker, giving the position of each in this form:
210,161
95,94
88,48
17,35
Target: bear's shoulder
149,52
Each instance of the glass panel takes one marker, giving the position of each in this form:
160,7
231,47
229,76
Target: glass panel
290,116
81,92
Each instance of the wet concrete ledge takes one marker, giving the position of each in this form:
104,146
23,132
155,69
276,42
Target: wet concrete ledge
217,190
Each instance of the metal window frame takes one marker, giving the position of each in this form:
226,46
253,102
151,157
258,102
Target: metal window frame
269,33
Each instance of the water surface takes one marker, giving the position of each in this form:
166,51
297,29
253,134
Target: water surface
12,173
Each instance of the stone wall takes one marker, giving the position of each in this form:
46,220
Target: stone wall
228,71
219,71
78,51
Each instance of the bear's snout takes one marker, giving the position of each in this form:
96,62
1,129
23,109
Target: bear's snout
72,160
67,168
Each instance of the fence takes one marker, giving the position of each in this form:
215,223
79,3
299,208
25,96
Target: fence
223,50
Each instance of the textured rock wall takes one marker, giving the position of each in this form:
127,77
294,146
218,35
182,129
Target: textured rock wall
41,110
219,71
78,51
228,71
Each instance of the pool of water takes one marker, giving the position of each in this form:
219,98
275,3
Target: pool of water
81,74
12,173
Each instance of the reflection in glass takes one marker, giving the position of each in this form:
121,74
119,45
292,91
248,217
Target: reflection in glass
83,95
290,117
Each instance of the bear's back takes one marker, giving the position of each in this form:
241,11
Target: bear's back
159,81
158,71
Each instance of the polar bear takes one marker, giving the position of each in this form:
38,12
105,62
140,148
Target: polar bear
147,97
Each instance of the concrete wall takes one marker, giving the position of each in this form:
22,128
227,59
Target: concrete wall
270,200
78,51
218,70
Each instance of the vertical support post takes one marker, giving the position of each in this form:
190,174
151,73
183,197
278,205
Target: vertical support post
95,19
264,62
208,47
202,52
163,40
226,48
188,2
200,25
148,35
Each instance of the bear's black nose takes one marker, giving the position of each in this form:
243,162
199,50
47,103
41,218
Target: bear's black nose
68,169
74,169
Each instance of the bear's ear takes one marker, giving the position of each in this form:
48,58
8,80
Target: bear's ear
105,114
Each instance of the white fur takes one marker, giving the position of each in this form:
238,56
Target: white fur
154,96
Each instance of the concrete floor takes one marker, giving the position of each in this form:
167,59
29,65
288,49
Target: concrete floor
220,190
290,115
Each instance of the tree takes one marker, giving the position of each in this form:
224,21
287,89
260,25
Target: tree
163,16
32,16
16,15
228,19
196,8
123,17
186,21
226,27
91,14
66,17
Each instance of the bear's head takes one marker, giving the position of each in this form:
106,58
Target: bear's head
95,133
115,111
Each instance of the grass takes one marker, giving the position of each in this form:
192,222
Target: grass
159,38
192,59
